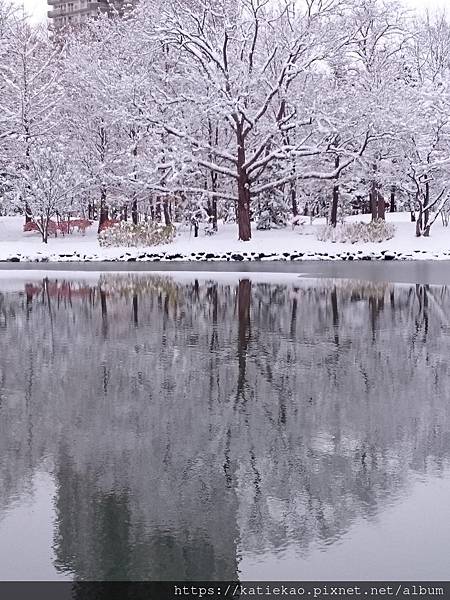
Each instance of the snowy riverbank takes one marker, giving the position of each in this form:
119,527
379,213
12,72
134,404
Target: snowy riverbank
286,245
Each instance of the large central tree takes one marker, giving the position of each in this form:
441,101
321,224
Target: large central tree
244,66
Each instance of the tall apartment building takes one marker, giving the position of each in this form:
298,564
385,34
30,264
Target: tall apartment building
70,13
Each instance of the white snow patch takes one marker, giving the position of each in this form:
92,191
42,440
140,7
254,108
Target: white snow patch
301,240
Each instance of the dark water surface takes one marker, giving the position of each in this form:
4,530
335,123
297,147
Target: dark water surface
182,426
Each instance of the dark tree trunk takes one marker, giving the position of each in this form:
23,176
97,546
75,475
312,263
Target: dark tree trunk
373,201
212,204
293,193
134,212
293,325
381,206
335,314
335,198
244,227
135,310
103,208
244,298
214,213
426,202
334,307
215,303
167,220
243,204
418,229
392,207
29,302
426,289
104,310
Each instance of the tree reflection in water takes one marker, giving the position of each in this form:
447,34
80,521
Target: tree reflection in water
188,422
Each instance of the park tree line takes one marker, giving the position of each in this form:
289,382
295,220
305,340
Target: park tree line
251,111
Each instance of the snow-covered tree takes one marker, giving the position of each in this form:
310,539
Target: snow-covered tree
238,64
48,186
31,93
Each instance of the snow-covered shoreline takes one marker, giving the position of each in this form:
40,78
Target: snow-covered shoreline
299,244
137,255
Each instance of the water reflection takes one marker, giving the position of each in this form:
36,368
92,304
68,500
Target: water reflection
191,425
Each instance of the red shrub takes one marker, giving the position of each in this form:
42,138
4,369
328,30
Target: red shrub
30,226
81,224
53,227
64,227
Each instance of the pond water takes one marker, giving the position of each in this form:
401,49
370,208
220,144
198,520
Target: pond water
181,426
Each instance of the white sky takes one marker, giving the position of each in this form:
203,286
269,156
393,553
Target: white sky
38,8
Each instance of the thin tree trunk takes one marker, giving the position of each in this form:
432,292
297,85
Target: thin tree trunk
104,310
392,207
335,314
103,208
294,203
293,194
135,310
426,202
212,205
167,220
419,222
335,198
213,202
134,212
134,205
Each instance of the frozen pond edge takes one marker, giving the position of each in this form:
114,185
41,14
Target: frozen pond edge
420,272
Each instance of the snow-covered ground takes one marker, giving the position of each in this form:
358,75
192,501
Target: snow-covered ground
286,244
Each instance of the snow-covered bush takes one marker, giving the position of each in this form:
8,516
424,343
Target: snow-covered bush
264,221
376,231
270,212
268,219
143,234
